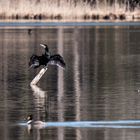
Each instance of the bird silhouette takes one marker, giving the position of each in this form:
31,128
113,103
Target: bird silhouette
46,59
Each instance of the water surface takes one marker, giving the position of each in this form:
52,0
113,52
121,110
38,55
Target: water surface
100,83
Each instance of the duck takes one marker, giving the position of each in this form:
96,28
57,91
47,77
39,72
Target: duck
46,59
29,31
34,124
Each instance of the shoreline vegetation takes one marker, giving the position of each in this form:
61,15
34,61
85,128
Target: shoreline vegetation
65,10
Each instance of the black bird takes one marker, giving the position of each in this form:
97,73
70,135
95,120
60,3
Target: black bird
46,59
29,31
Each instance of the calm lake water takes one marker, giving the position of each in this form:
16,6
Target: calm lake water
101,81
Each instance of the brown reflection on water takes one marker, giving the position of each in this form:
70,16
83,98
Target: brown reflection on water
100,82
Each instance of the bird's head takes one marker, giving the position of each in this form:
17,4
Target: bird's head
30,119
45,46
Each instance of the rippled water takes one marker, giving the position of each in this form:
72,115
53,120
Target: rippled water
100,83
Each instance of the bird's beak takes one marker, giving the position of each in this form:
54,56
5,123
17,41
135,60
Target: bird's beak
43,45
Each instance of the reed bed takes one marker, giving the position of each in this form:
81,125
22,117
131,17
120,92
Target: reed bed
65,10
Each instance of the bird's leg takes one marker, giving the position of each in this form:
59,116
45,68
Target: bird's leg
38,76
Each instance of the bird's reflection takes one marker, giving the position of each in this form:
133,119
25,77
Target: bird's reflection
39,95
39,99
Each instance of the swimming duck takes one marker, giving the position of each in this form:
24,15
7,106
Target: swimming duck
46,59
34,124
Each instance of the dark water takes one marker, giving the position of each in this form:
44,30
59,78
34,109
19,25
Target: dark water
100,83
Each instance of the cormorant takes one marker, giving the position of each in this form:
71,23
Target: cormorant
46,59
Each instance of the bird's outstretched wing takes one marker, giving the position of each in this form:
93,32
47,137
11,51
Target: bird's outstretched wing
34,61
57,60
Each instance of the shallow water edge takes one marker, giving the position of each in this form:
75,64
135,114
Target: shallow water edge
68,23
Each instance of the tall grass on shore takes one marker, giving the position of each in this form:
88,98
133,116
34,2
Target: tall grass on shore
65,10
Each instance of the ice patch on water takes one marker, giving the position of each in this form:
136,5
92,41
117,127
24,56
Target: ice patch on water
93,124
